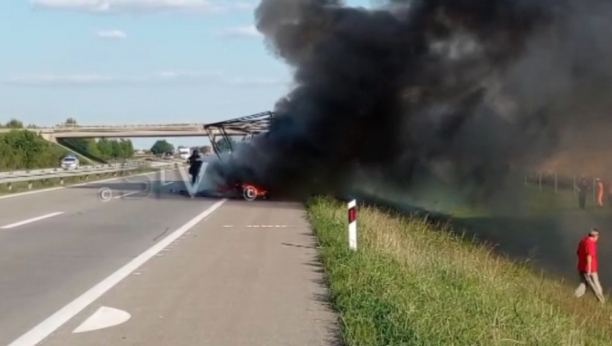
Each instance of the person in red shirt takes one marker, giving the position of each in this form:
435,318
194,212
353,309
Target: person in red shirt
587,265
600,192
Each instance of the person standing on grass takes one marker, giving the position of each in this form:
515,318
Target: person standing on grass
610,194
587,265
600,192
583,187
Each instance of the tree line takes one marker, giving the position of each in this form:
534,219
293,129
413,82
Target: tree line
16,124
22,149
162,146
105,149
27,150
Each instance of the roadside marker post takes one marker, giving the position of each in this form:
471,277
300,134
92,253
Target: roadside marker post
352,226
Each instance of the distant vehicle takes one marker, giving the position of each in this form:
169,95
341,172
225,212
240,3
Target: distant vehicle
184,152
70,162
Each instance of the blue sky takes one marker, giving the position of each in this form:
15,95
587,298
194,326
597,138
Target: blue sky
135,61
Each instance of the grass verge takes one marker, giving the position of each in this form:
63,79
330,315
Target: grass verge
412,283
54,182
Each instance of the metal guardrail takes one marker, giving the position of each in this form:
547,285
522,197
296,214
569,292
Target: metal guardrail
61,174
47,171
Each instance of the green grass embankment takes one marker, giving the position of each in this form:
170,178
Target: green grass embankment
412,283
21,149
83,153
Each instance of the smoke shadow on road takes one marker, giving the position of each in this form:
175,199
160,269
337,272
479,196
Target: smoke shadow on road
169,190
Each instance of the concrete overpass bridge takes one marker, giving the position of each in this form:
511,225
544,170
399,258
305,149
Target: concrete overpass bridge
126,131
255,123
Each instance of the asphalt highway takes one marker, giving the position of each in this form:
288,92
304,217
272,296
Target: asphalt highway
75,262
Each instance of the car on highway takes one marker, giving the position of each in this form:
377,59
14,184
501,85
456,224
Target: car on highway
184,152
70,162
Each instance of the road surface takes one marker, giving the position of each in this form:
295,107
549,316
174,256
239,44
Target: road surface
157,268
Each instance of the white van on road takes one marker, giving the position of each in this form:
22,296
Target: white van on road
184,152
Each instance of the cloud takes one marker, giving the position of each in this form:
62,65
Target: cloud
59,80
257,82
240,32
174,75
141,6
167,78
112,34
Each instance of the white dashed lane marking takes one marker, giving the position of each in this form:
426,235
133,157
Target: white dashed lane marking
34,219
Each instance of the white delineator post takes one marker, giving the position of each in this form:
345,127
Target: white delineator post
352,226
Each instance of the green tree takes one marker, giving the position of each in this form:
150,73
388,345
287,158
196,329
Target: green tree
14,124
116,150
71,122
161,146
102,149
91,146
127,149
105,148
20,149
83,145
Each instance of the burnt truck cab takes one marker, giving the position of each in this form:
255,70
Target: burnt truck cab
243,190
221,136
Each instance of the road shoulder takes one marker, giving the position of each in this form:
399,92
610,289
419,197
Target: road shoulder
247,275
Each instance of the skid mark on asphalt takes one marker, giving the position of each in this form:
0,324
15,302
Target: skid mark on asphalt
161,235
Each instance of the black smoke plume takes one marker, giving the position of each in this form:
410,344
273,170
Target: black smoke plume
455,92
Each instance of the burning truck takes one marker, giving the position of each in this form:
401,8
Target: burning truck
222,140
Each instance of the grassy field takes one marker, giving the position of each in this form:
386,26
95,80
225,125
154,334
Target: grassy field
54,182
547,200
414,283
20,149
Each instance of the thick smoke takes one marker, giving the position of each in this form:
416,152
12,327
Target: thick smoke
457,93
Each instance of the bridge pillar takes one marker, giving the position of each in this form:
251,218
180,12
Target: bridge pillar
49,137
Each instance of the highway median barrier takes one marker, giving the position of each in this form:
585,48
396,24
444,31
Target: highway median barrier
25,182
413,282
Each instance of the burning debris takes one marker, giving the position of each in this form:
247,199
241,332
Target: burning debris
443,91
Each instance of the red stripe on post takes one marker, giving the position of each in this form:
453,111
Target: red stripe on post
352,214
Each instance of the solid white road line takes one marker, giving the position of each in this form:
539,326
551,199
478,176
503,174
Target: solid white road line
55,321
32,192
21,223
